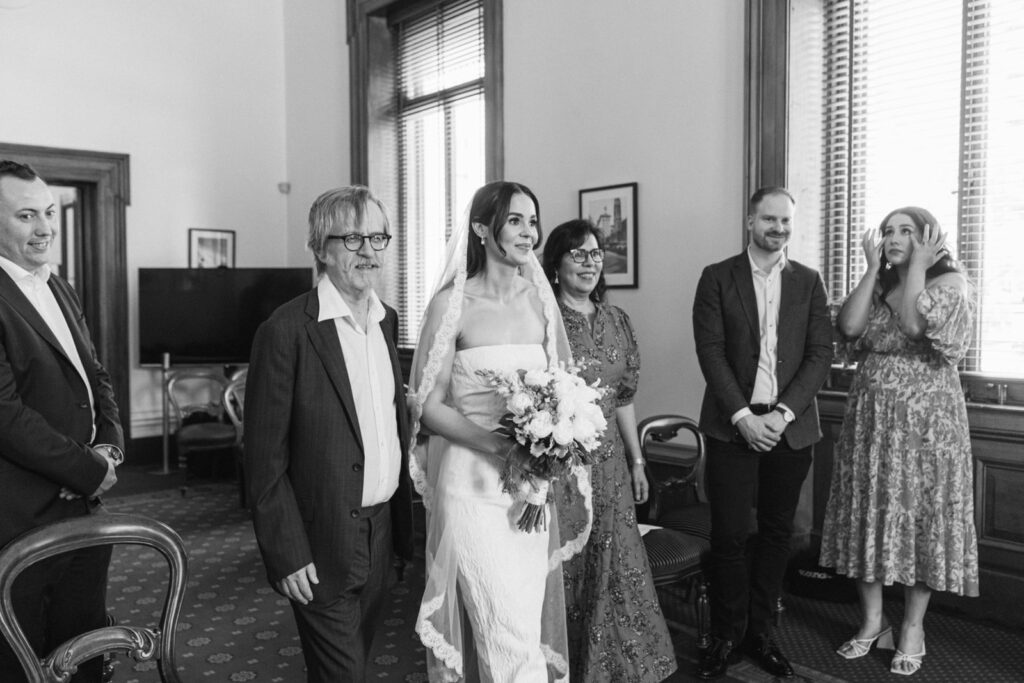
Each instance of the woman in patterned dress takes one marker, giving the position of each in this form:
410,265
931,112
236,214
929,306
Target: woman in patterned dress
615,626
901,507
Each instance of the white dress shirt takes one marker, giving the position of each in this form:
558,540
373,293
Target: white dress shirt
34,285
373,389
767,292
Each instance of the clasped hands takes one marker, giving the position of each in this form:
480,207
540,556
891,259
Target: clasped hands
113,459
762,432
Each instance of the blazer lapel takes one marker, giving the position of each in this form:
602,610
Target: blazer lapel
790,287
744,281
386,327
11,293
82,343
324,338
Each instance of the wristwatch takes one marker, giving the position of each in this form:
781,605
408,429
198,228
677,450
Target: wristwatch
111,452
787,415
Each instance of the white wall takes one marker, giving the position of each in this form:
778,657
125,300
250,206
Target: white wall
600,92
218,102
192,90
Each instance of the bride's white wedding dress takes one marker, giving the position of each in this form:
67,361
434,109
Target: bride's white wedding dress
503,576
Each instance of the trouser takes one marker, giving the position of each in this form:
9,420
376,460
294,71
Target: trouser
747,571
336,634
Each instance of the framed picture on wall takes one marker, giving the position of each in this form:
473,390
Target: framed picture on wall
211,248
612,209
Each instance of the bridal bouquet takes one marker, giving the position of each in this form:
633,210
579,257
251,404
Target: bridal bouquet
557,416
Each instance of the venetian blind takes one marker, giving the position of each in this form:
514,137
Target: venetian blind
441,139
923,104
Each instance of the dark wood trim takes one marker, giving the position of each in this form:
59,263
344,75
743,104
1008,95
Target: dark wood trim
103,286
369,106
766,94
494,76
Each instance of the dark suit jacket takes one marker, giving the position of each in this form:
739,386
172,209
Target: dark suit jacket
45,420
303,450
725,327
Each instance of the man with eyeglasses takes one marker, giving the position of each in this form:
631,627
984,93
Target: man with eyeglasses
326,429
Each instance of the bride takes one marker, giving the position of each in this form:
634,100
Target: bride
493,608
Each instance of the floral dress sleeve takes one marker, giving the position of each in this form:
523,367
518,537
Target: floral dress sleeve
949,321
625,338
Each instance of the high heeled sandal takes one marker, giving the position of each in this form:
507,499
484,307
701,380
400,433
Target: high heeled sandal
904,664
858,647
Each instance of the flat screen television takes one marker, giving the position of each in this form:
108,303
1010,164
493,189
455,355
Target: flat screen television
208,316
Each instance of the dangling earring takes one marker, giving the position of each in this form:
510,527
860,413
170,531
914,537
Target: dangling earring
556,278
483,240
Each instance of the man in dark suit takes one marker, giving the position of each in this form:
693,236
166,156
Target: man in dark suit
325,443
764,343
60,434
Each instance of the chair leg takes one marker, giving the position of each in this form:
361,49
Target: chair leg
703,617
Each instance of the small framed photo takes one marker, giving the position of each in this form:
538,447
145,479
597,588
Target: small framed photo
211,248
612,209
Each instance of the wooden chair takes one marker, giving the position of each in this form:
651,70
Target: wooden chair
197,400
677,555
234,406
82,532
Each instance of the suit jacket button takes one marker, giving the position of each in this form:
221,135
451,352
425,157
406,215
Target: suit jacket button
354,514
357,468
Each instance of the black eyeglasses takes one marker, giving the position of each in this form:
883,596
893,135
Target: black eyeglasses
353,241
580,255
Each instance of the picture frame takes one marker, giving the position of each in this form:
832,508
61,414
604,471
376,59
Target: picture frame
211,248
612,209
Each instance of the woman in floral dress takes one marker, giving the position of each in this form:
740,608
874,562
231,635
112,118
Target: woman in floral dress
901,506
615,625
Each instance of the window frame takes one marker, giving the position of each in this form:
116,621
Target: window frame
768,30
372,47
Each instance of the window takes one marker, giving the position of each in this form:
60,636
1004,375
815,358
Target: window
426,123
919,102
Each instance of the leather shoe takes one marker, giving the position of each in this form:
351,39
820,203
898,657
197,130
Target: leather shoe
763,650
715,661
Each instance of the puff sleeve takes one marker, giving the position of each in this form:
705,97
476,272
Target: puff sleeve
626,337
949,322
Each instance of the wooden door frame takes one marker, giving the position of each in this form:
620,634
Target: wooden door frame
103,286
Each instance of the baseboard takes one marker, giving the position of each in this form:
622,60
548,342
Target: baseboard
146,451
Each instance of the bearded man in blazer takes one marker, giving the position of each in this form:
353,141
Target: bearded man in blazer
764,342
60,434
325,443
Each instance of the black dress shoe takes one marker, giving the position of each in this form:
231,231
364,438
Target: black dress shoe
715,661
763,650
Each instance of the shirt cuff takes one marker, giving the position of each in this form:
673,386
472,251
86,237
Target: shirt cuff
740,414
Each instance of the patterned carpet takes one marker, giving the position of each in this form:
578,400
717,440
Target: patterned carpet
235,628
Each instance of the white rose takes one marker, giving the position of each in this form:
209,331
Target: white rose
540,426
584,431
537,378
520,403
563,432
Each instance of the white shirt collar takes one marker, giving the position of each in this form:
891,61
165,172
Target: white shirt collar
18,273
779,265
333,306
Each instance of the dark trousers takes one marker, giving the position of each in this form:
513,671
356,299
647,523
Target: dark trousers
58,599
337,631
747,580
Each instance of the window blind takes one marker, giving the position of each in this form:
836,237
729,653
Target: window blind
440,118
923,104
